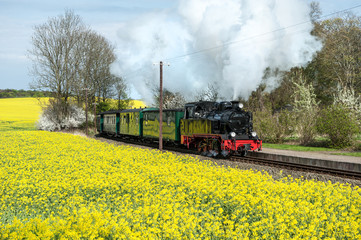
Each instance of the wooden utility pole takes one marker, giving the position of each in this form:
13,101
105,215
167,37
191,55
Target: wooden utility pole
86,110
161,107
95,116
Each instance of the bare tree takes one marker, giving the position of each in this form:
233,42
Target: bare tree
208,94
315,12
54,54
171,100
94,73
121,92
68,58
55,59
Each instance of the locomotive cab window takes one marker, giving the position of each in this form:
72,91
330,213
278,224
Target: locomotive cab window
189,112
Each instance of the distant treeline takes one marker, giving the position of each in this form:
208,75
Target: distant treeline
13,93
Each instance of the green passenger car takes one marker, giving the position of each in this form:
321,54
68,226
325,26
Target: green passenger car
171,123
109,124
99,123
130,122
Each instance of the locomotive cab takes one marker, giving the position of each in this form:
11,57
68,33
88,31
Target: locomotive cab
198,109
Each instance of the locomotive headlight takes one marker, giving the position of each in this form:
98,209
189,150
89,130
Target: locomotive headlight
240,105
233,134
254,134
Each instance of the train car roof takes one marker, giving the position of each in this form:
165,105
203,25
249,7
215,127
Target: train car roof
199,103
110,112
131,110
120,111
164,110
128,110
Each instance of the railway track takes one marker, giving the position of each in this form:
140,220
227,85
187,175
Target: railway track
253,160
299,167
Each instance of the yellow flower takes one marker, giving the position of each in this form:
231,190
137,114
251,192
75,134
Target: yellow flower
61,185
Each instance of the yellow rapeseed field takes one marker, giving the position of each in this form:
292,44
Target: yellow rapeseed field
19,113
22,113
137,104
60,186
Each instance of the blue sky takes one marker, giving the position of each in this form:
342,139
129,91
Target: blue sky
18,17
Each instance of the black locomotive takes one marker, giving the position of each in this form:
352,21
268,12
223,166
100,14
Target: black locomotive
219,128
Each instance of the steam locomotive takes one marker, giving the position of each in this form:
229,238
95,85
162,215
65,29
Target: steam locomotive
213,128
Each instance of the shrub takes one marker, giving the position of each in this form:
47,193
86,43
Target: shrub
273,128
339,124
348,99
306,125
51,120
306,110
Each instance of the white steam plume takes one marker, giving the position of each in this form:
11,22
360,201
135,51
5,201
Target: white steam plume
228,43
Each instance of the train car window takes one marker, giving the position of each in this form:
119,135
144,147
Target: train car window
152,116
198,112
145,119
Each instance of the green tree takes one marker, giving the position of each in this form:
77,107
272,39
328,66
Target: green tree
338,124
338,64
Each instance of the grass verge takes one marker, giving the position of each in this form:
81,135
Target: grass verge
310,149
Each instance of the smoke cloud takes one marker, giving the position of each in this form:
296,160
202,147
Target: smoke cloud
227,43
